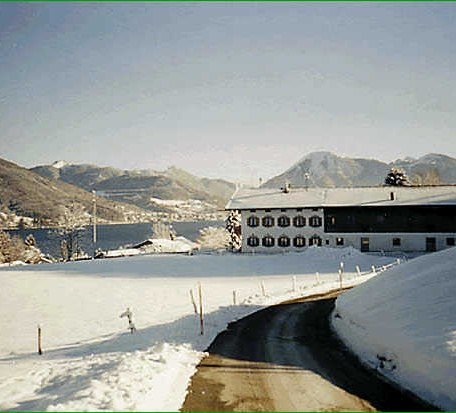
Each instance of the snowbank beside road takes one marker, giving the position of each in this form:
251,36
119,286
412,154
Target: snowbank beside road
403,323
91,361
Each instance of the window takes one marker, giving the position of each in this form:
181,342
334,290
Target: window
315,221
327,242
267,210
283,221
299,221
450,242
339,241
298,209
314,209
268,241
253,210
253,241
396,242
315,240
284,241
283,210
299,241
268,221
253,221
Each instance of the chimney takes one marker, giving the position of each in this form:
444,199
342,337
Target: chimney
286,188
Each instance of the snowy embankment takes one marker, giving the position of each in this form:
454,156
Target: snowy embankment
403,323
91,361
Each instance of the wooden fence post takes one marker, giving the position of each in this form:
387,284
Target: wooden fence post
234,297
358,271
195,309
373,270
200,293
317,274
40,351
263,289
293,281
340,279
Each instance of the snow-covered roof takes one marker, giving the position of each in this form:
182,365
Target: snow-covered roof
261,198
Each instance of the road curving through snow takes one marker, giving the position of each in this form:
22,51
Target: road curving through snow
286,358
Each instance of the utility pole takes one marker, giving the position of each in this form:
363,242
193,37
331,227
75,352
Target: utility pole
94,218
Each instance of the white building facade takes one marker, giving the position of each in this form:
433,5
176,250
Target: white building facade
408,219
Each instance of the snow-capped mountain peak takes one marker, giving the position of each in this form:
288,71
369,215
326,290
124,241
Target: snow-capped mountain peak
59,164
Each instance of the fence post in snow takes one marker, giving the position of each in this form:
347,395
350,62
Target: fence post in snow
317,275
358,271
398,261
340,279
263,289
195,309
40,351
342,267
373,270
200,294
293,280
234,297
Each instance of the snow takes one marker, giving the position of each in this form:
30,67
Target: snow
60,164
403,323
91,361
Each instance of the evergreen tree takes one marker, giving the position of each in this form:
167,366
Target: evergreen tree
397,177
233,226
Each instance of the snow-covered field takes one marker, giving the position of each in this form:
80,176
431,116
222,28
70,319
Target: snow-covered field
90,360
403,323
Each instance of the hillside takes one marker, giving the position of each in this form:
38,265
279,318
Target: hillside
25,193
326,169
139,186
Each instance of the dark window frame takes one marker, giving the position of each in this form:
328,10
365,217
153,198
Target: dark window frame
268,241
397,242
256,243
315,240
257,220
282,244
315,221
287,221
300,238
295,220
267,218
340,241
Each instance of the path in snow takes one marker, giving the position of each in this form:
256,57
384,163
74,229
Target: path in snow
285,358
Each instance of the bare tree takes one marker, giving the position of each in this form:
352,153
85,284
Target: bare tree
72,226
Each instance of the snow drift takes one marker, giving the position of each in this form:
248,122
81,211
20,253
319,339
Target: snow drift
403,323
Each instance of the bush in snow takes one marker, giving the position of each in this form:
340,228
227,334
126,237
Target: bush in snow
214,238
14,249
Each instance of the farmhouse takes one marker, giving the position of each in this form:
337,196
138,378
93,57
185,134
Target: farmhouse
388,218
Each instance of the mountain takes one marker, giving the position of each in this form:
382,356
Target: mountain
140,187
28,194
325,169
430,169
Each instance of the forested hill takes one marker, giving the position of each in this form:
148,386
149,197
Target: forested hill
28,194
140,186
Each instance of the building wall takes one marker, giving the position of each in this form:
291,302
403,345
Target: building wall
409,242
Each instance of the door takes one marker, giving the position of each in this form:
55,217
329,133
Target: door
430,244
364,244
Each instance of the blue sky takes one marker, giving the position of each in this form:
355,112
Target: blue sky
239,90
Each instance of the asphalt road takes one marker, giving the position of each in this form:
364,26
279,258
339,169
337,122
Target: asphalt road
285,358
